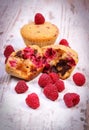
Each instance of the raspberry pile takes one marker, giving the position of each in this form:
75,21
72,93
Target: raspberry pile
51,85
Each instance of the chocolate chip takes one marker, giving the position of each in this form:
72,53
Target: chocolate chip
19,54
62,63
54,69
65,69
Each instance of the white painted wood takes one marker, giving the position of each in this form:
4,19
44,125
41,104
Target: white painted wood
72,19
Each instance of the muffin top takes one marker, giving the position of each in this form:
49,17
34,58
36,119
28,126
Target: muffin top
34,31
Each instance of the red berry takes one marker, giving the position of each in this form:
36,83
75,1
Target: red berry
54,76
8,50
39,18
21,87
44,80
71,99
79,79
51,92
32,100
64,42
60,85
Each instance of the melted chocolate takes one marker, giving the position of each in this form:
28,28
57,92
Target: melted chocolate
19,54
65,69
64,65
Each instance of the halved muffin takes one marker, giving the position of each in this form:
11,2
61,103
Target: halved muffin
25,63
59,59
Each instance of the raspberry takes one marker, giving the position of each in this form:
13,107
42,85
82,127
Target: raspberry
6,60
32,100
54,76
21,87
8,50
79,79
39,18
46,68
60,85
64,42
71,99
44,80
51,92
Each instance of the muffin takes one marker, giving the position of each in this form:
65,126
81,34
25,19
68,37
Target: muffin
60,59
39,33
25,63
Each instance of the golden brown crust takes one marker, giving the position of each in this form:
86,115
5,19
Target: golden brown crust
41,35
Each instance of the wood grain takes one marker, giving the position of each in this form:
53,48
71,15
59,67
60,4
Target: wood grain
72,19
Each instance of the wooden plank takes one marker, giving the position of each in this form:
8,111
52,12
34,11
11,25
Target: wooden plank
71,17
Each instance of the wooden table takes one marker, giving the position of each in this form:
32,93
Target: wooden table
72,19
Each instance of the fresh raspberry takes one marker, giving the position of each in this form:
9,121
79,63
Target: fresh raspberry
79,79
39,18
54,76
51,91
71,99
21,87
64,42
8,50
32,100
60,85
44,80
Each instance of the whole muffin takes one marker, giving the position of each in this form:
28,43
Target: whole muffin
39,32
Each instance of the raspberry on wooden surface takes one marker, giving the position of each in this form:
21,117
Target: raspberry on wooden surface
32,100
71,99
79,79
21,87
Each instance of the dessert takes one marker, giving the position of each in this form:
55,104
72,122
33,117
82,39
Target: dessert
59,59
26,63
39,32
